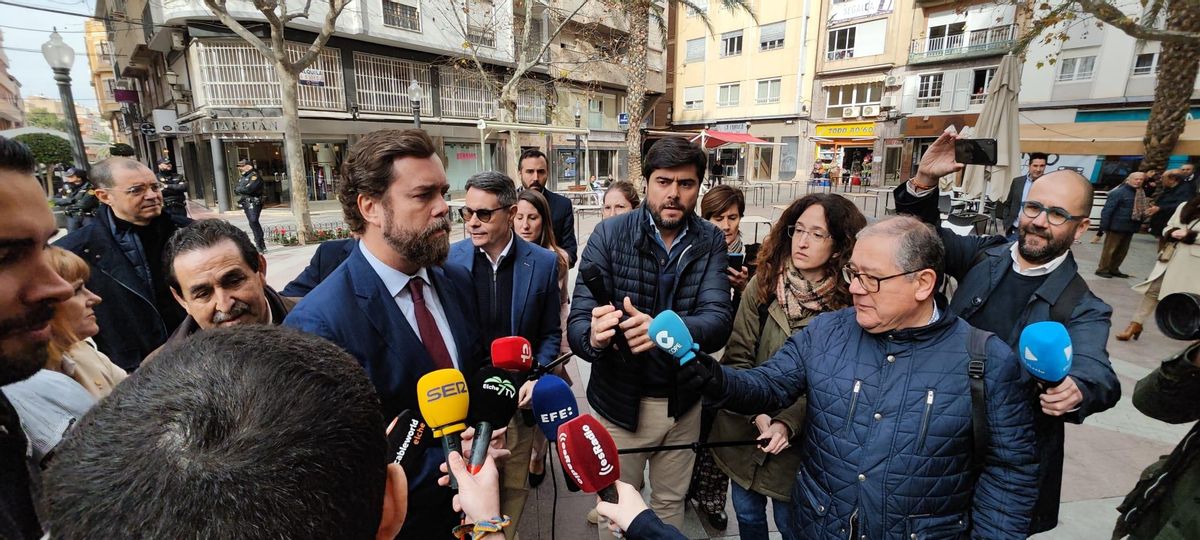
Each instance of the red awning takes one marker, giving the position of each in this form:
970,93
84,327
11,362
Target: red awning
714,139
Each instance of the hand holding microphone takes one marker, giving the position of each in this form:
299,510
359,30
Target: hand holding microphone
1045,349
493,402
698,371
444,402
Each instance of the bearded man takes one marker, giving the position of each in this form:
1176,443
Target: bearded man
394,305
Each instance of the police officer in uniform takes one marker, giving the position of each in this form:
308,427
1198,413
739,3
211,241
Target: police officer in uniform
174,189
250,191
78,199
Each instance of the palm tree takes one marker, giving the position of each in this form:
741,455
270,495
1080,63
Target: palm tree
1177,68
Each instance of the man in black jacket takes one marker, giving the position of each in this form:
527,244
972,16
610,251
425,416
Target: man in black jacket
1173,193
1118,223
174,189
535,170
250,197
79,200
29,290
124,248
658,257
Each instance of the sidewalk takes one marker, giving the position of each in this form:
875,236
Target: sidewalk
1104,455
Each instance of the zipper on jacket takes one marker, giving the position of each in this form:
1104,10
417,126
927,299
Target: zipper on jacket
853,403
495,311
925,420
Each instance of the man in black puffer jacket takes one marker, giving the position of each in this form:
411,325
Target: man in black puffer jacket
661,256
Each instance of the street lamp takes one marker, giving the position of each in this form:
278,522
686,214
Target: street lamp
61,57
578,114
414,97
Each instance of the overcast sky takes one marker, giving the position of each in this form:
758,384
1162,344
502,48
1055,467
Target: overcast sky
29,67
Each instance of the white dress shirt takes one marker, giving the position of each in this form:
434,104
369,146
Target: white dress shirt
396,283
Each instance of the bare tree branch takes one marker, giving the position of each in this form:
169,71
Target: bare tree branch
335,9
1112,15
218,8
302,14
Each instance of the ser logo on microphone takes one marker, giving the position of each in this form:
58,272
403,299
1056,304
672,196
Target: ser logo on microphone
445,391
500,385
666,342
606,468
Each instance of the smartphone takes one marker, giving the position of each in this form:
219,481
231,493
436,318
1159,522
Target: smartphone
975,151
736,260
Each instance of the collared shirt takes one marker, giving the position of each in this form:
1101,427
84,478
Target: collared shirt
1039,270
936,314
503,254
675,244
396,283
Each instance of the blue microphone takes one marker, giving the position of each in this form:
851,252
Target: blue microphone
672,336
1045,350
553,405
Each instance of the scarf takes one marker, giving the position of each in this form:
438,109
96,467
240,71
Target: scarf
737,246
1140,204
800,298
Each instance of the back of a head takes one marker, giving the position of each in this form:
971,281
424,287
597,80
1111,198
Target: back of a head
15,157
247,432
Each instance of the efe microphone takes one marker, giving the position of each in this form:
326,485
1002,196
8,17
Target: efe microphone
553,405
493,402
443,398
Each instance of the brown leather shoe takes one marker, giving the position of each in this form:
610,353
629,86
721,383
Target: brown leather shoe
1133,331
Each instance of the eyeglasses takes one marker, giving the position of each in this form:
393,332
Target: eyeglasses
1054,214
815,236
138,191
868,282
484,215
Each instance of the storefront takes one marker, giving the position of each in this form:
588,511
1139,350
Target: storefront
848,146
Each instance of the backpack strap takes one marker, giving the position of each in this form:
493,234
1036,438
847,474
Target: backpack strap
976,368
1060,312
763,316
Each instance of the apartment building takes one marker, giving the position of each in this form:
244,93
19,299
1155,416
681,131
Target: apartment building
749,77
12,109
99,52
1088,107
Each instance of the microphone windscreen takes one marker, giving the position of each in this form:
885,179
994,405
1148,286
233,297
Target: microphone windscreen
1045,350
672,336
443,398
408,438
513,353
493,397
553,403
588,454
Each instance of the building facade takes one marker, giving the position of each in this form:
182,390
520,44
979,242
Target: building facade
99,52
12,108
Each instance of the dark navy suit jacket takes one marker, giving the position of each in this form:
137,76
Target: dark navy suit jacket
535,295
328,257
562,213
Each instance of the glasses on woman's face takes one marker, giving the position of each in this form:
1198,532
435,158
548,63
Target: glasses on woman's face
795,232
484,214
1054,215
868,282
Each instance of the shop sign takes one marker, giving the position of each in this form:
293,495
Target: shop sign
312,77
242,125
932,126
731,127
857,9
851,129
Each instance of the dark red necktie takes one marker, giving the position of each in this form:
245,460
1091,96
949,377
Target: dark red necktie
427,326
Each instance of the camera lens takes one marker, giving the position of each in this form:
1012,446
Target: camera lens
1178,316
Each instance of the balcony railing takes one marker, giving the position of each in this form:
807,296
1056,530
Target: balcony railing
234,74
382,84
466,97
983,42
978,99
531,107
483,37
840,54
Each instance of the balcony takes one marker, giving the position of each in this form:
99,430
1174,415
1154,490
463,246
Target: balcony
463,95
996,40
484,37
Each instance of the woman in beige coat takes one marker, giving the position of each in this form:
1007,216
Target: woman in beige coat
1177,269
72,351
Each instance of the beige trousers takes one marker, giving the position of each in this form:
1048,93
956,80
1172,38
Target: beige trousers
670,471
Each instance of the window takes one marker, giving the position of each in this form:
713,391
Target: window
768,90
852,95
398,15
929,90
596,113
946,36
979,87
841,44
1077,69
1145,64
695,50
770,36
110,84
728,95
731,43
106,49
381,84
693,98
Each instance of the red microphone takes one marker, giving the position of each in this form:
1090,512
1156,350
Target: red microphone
512,353
589,456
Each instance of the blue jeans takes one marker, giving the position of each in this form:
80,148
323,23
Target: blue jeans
751,509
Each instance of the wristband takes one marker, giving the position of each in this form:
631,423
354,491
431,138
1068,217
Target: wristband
482,528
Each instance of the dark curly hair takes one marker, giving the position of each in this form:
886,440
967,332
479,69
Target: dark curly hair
843,220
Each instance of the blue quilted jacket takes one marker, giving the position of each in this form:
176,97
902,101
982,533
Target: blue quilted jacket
888,440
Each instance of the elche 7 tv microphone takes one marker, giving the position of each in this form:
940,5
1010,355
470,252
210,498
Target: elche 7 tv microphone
1045,350
554,404
408,438
513,353
443,398
589,456
493,402
670,334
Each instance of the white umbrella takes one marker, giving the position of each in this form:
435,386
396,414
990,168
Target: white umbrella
999,121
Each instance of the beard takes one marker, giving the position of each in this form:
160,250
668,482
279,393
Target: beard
668,224
421,248
1041,255
20,364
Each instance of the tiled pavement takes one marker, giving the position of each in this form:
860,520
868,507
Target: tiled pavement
1104,456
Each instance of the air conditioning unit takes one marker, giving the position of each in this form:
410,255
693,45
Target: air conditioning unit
888,102
850,112
870,110
892,81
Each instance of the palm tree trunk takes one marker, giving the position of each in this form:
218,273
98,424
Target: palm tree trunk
1177,68
638,68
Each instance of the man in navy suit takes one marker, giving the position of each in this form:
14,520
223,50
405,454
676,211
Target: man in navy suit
391,304
535,169
516,290
328,257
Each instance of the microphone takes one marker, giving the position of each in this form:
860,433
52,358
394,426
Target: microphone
408,438
493,402
589,456
1045,350
554,404
672,336
593,279
443,399
513,353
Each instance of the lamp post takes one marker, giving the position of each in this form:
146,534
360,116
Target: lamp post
61,57
414,97
578,114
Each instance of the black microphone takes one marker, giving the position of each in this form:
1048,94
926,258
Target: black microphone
593,279
493,402
408,439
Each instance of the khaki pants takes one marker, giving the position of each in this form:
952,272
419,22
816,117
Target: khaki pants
514,473
670,471
1116,247
1149,301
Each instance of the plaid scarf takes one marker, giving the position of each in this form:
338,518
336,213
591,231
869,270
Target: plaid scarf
800,298
1140,204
